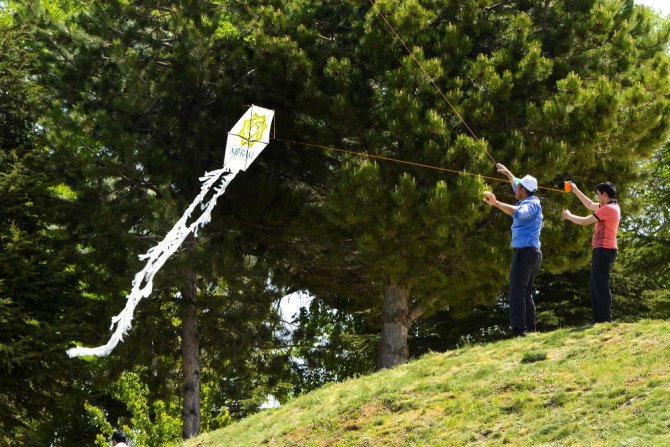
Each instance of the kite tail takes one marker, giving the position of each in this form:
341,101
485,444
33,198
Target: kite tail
157,256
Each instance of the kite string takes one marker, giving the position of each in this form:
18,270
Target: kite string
431,80
378,157
405,162
395,160
381,157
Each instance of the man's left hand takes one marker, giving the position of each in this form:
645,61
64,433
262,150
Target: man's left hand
490,198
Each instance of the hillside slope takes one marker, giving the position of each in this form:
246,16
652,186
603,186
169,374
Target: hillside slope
607,385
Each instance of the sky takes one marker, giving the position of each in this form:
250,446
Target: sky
291,304
662,6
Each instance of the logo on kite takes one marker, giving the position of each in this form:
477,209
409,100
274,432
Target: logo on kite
253,129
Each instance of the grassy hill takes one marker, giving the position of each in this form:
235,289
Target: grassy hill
607,385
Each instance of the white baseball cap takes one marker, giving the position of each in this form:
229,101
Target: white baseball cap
529,182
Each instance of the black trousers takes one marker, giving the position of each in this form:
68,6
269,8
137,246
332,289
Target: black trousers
525,265
601,295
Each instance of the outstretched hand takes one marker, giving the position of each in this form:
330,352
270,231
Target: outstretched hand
566,214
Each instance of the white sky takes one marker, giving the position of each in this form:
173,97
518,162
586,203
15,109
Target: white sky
662,6
290,305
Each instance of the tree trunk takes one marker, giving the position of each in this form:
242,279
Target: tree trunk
190,351
396,321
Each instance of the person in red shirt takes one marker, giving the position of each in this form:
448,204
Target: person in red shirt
606,215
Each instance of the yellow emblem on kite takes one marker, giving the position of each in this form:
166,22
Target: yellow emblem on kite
252,130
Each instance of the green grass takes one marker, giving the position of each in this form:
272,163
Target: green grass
605,385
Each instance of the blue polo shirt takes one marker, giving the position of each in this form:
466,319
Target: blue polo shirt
527,223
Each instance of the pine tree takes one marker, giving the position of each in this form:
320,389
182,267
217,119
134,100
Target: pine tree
565,90
143,95
647,237
41,304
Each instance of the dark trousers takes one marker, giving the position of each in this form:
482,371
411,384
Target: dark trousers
601,295
525,265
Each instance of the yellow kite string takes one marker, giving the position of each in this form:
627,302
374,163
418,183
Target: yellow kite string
431,80
394,160
397,160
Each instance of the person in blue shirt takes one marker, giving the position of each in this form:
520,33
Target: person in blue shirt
527,256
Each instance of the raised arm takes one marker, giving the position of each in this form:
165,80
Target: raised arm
588,203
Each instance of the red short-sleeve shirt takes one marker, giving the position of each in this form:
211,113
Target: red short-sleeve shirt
604,234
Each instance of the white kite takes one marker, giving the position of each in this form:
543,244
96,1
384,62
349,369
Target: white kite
245,141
